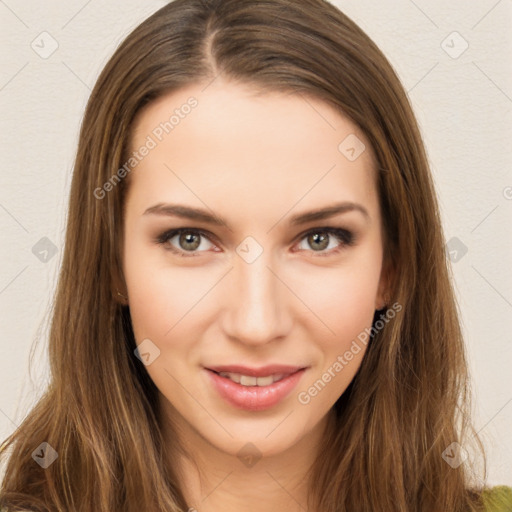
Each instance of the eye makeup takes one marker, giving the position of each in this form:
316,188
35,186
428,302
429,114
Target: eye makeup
345,238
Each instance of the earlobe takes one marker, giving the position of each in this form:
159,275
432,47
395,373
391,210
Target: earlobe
382,302
119,292
383,297
121,298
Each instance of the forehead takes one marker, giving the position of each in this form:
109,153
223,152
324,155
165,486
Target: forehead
227,142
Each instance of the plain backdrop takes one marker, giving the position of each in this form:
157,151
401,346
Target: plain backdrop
454,59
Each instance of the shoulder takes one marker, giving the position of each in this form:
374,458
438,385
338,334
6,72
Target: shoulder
497,499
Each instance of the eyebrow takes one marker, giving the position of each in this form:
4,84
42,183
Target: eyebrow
200,215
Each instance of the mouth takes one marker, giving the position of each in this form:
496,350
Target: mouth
254,389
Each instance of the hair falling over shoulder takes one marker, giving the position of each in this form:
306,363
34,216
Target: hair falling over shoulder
410,398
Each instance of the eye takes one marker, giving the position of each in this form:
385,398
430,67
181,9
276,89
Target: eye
188,241
321,239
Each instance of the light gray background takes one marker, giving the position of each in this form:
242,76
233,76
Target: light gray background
463,102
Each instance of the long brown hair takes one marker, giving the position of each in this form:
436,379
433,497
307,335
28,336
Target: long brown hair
409,400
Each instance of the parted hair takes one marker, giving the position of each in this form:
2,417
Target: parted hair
410,399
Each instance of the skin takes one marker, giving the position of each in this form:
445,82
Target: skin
255,160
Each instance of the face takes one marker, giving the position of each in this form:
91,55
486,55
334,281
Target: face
254,282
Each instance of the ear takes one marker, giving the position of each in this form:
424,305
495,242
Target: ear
118,287
387,276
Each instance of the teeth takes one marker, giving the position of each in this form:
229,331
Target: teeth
248,380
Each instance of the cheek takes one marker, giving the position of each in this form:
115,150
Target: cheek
347,307
344,297
160,299
159,294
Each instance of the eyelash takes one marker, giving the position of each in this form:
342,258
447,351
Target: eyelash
345,237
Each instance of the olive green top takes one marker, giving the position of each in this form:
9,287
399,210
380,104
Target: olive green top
498,499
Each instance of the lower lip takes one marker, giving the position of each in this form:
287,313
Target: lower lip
254,398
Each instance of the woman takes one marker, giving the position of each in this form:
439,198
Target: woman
254,308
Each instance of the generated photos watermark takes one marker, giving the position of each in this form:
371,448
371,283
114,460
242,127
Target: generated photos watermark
152,140
304,397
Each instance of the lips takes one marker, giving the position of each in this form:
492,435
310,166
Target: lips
255,392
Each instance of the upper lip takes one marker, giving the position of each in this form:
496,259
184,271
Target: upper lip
262,371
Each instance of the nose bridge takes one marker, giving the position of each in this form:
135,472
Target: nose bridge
257,308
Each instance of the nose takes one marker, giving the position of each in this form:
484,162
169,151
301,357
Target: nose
257,303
